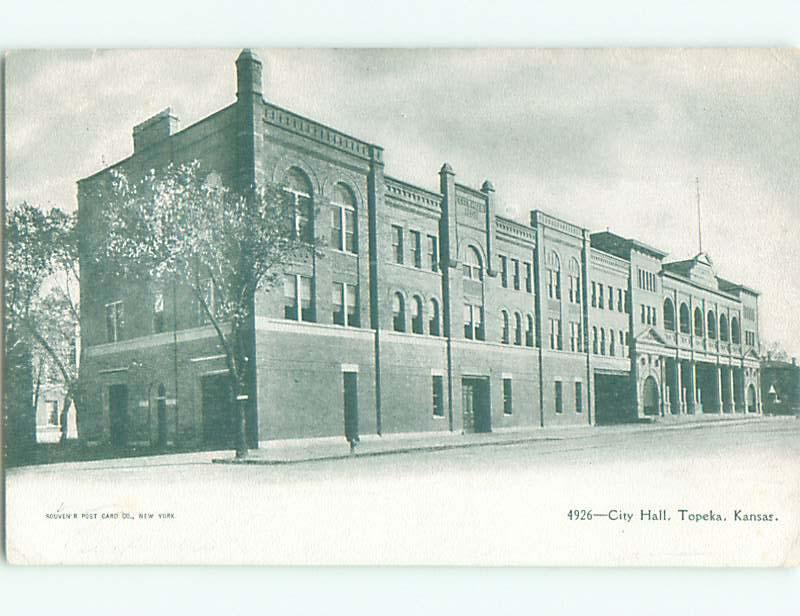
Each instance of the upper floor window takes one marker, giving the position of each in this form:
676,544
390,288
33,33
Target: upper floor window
529,333
114,321
473,322
620,306
698,322
735,332
556,342
602,341
517,328
504,271
600,300
669,315
397,244
434,318
528,277
298,298
595,341
712,325
158,312
723,328
433,253
684,319
345,304
574,281
398,312
505,335
575,337
610,297
515,272
343,220
473,264
416,248
416,315
298,188
594,294
553,263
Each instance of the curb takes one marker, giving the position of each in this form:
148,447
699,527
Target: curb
696,425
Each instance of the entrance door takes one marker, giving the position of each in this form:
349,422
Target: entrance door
350,383
162,415
650,396
476,405
751,399
218,416
118,410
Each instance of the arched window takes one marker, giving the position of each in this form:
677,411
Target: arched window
517,328
343,220
723,328
553,263
574,281
594,341
612,343
434,326
399,312
735,334
602,341
416,315
669,315
684,319
473,264
504,331
298,187
529,331
698,322
712,324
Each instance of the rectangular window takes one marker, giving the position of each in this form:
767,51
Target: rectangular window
397,244
114,321
528,278
158,312
473,322
345,304
610,297
620,307
504,271
594,294
298,302
553,284
433,253
644,318
438,396
416,249
574,337
350,234
515,264
578,397
555,334
507,397
559,397
627,303
600,301
336,228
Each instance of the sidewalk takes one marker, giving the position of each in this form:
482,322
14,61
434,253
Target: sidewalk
292,451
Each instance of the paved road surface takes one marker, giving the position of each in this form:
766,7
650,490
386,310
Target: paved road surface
486,505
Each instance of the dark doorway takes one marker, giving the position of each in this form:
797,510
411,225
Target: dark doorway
612,399
751,399
218,411
161,410
118,410
476,405
650,397
350,389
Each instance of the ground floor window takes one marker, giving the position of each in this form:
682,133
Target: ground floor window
438,396
578,397
507,397
559,397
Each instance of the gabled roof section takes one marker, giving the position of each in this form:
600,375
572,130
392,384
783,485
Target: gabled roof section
700,270
622,246
651,335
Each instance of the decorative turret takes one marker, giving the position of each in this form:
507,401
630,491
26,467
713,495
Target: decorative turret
248,74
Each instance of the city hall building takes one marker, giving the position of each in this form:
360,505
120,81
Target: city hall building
428,312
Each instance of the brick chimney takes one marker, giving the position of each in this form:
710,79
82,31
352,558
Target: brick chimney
154,130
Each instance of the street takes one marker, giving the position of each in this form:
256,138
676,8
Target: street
595,498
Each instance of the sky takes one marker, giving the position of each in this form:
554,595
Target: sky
605,139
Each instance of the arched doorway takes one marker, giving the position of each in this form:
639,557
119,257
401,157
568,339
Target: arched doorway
650,397
751,399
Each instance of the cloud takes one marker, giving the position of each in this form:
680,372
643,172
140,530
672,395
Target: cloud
604,138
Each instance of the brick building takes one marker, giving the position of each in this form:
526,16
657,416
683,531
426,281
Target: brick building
428,312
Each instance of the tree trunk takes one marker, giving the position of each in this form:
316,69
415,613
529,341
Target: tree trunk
65,417
241,426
